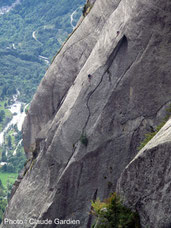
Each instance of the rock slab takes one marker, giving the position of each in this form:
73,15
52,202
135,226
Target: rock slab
125,46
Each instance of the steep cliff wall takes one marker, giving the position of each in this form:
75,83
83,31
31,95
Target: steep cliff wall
145,184
125,46
62,73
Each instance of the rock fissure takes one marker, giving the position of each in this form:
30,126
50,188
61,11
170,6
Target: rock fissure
106,71
61,101
53,105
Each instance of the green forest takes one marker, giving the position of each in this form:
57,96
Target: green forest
32,29
5,3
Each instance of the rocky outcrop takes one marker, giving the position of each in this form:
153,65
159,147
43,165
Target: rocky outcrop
145,184
62,73
124,46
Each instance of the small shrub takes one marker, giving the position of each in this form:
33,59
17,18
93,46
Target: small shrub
109,184
84,139
150,135
86,9
98,207
113,214
32,164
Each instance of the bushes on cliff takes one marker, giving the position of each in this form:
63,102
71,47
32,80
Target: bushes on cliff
3,201
84,139
86,9
113,214
150,135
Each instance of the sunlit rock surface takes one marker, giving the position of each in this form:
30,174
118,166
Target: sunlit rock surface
145,184
125,47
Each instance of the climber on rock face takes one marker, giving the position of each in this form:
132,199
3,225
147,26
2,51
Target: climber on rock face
118,33
89,77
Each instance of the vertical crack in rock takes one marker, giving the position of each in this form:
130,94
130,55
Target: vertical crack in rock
79,178
111,59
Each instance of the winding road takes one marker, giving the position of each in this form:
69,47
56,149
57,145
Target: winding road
46,60
34,37
72,16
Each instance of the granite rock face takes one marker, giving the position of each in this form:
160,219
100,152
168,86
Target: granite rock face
145,183
125,47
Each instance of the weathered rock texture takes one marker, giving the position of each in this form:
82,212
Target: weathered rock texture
125,46
146,182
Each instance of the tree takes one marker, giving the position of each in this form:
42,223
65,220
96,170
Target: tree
3,203
2,115
5,105
113,214
4,91
1,189
4,168
1,186
9,141
22,108
4,157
